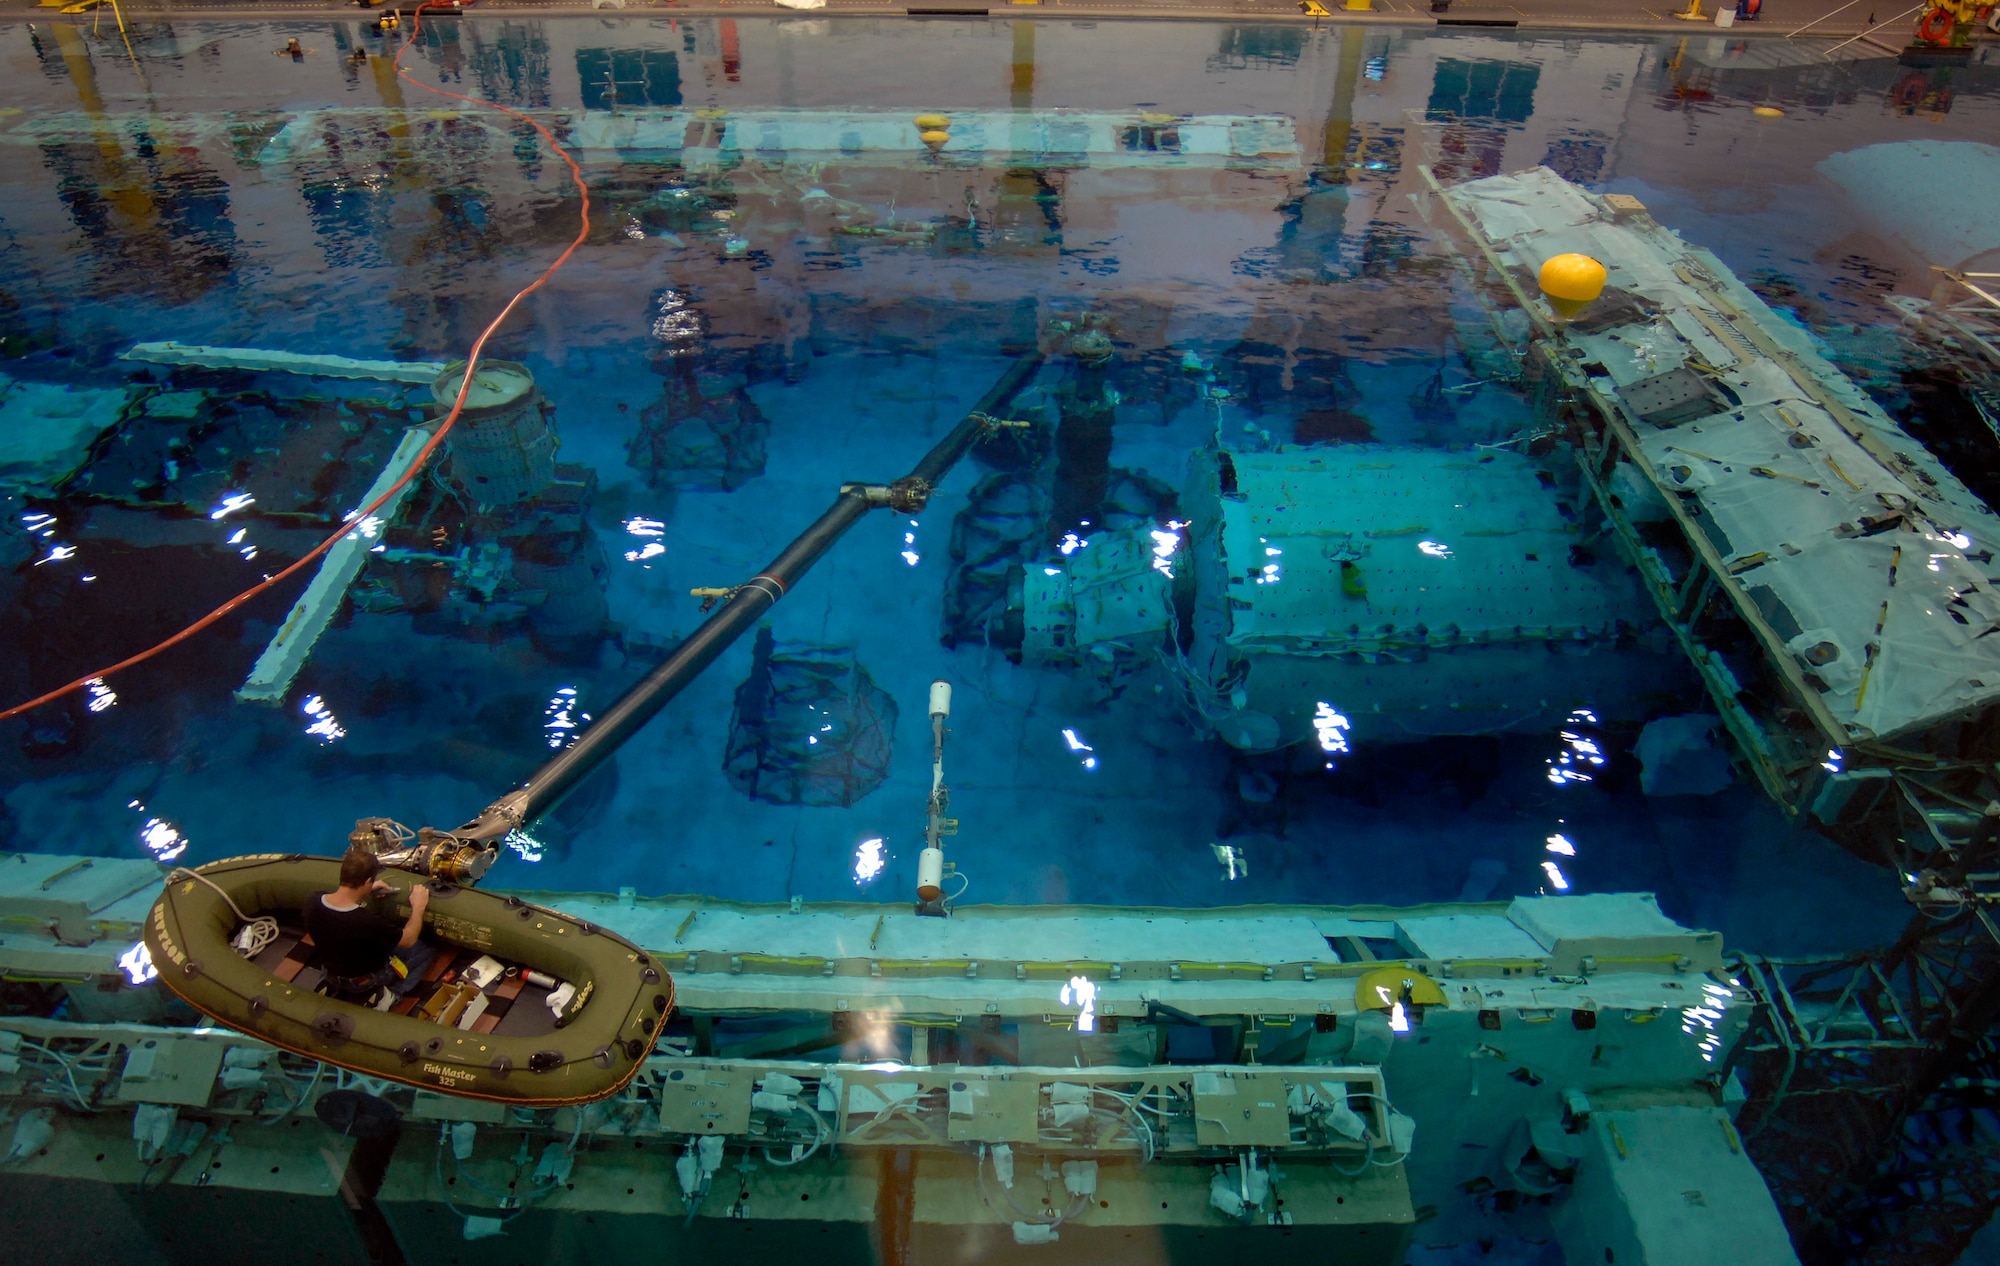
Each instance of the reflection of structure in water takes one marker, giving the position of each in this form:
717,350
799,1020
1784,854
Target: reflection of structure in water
1086,407
153,214
999,529
1013,516
1002,529
810,727
705,432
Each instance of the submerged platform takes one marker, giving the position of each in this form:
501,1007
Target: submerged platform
1185,1074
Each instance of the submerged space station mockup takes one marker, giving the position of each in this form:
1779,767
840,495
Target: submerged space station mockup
1695,485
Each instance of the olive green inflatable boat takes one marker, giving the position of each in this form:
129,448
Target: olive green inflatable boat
521,1004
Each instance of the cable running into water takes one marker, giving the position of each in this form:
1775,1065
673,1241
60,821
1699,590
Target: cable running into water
429,448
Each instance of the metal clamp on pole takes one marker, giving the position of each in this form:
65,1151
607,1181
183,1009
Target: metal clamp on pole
908,495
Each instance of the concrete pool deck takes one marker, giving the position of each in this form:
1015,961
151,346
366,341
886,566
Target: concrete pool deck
1814,25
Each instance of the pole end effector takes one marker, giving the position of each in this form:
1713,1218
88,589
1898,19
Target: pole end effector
458,857
908,495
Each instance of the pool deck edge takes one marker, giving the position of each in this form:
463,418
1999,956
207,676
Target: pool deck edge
1814,20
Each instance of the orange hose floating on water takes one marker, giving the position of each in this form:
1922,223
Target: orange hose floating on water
430,448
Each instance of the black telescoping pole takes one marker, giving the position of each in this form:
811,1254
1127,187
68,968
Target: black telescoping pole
744,606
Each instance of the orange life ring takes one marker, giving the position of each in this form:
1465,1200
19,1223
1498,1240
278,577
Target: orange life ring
1936,26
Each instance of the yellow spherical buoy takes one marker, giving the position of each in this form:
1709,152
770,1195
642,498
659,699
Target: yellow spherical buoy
1571,282
1768,112
934,139
932,122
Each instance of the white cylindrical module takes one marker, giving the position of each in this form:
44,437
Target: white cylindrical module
930,874
940,698
503,446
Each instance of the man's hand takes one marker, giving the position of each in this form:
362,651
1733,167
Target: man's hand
413,927
381,888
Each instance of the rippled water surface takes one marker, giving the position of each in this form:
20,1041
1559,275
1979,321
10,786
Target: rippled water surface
784,289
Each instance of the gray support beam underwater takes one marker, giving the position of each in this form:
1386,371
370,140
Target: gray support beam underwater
279,665
262,360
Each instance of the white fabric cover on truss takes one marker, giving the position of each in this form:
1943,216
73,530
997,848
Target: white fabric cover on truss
1853,552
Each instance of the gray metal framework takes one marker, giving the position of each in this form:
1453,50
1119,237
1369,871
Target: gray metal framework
1873,1079
1780,724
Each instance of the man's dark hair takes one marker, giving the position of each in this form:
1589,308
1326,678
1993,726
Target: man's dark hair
357,868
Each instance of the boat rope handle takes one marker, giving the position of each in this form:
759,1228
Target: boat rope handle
263,928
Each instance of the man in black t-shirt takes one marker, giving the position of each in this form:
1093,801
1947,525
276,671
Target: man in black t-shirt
360,949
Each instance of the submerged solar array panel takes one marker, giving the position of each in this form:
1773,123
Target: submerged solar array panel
1872,565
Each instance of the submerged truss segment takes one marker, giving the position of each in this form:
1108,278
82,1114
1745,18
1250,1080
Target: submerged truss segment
1828,577
1326,1071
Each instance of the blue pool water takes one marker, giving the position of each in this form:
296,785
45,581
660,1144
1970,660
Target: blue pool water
858,298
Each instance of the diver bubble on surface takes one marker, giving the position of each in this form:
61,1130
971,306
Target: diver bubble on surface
1581,753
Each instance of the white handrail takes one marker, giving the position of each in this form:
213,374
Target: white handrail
1822,17
1871,30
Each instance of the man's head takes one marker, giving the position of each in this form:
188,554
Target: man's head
357,868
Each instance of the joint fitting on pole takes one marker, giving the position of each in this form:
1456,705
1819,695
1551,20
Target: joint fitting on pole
876,495
710,595
495,821
909,495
